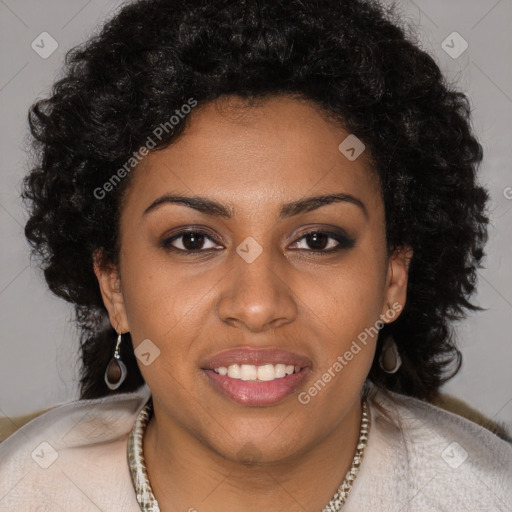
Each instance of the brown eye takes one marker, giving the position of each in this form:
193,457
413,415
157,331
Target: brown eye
317,241
190,241
324,242
193,241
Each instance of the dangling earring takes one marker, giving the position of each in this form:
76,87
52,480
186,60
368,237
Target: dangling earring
390,360
116,372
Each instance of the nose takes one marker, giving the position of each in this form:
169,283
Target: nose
256,295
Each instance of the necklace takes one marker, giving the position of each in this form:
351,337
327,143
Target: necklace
147,500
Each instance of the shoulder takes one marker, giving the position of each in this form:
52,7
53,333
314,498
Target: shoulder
9,425
447,460
422,421
75,452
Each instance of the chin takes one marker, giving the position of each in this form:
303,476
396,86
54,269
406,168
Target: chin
256,449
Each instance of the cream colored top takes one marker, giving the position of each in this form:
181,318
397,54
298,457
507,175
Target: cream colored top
75,457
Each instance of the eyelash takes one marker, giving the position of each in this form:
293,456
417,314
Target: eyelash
344,242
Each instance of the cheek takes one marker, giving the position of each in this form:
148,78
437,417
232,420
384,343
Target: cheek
347,297
164,310
162,300
347,305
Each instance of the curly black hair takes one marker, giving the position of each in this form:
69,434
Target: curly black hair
353,59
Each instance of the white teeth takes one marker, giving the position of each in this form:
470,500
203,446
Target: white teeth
280,370
234,371
266,372
248,372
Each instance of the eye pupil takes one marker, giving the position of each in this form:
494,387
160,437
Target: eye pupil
317,241
193,241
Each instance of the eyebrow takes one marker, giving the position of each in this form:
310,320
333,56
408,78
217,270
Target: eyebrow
213,208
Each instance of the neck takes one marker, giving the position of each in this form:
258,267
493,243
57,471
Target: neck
187,475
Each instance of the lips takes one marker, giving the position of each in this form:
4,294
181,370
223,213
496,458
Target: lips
256,357
256,392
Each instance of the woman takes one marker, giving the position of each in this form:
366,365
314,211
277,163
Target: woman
267,216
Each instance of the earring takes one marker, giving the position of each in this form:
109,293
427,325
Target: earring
116,372
390,360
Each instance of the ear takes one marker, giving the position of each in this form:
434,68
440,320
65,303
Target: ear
109,281
396,283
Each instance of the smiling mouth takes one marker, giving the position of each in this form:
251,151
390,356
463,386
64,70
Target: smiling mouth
256,376
269,390
260,373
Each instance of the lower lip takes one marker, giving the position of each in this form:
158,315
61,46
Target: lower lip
247,392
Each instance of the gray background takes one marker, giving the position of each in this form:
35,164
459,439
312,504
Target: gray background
38,364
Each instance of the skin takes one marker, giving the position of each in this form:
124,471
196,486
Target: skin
253,159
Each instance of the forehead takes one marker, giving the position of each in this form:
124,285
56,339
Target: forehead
274,150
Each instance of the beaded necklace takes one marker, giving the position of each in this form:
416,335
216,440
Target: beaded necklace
147,500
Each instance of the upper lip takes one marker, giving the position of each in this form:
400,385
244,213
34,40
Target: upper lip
257,357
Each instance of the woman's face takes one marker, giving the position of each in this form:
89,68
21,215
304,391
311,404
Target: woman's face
248,277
